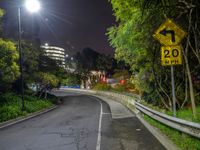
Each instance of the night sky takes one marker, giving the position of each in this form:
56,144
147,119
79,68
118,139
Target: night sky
73,24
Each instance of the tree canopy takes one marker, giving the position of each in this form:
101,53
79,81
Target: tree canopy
133,42
9,70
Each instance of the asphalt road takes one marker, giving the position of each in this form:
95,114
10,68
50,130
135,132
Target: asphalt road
80,123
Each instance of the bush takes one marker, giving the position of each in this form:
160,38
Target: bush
71,80
10,105
33,106
127,87
9,98
102,87
120,88
9,112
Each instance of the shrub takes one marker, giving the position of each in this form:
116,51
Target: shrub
10,105
120,88
102,86
8,112
33,106
8,98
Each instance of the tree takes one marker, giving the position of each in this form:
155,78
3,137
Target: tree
132,39
2,12
45,82
104,63
31,53
71,79
86,62
9,70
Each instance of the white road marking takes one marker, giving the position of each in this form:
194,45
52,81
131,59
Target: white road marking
105,113
138,129
98,147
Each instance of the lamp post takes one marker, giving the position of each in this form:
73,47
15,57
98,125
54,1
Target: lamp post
32,6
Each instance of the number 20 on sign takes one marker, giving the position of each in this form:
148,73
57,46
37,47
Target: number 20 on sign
171,55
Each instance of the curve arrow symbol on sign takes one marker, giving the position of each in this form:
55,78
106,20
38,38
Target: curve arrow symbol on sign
165,32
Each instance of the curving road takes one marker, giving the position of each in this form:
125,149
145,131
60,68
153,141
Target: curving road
81,123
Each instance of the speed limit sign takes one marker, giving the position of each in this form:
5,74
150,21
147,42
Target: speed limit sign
170,35
171,55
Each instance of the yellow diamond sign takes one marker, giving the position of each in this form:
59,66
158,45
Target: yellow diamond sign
171,55
169,33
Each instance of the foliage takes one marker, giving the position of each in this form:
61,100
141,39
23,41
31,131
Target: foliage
9,70
183,141
46,81
102,87
104,63
34,104
31,53
10,106
130,41
48,65
134,44
86,61
2,12
186,114
71,79
121,74
119,88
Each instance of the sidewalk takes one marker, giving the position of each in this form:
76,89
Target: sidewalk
118,111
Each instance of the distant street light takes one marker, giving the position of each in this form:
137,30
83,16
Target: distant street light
32,6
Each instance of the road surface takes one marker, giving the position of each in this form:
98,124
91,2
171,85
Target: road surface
80,123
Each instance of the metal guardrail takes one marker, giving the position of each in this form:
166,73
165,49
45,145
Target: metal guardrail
184,126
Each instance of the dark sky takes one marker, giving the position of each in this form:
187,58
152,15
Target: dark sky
81,22
75,24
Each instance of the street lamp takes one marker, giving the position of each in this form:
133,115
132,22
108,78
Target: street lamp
32,6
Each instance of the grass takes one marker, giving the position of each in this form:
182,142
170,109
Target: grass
10,106
185,113
183,141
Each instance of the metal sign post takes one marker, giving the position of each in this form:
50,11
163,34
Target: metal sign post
170,35
173,91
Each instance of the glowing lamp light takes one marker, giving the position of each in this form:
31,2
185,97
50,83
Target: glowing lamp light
32,5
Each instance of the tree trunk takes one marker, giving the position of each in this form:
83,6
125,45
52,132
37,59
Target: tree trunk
185,54
191,88
186,90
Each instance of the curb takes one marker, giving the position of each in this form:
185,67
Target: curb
24,118
165,141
